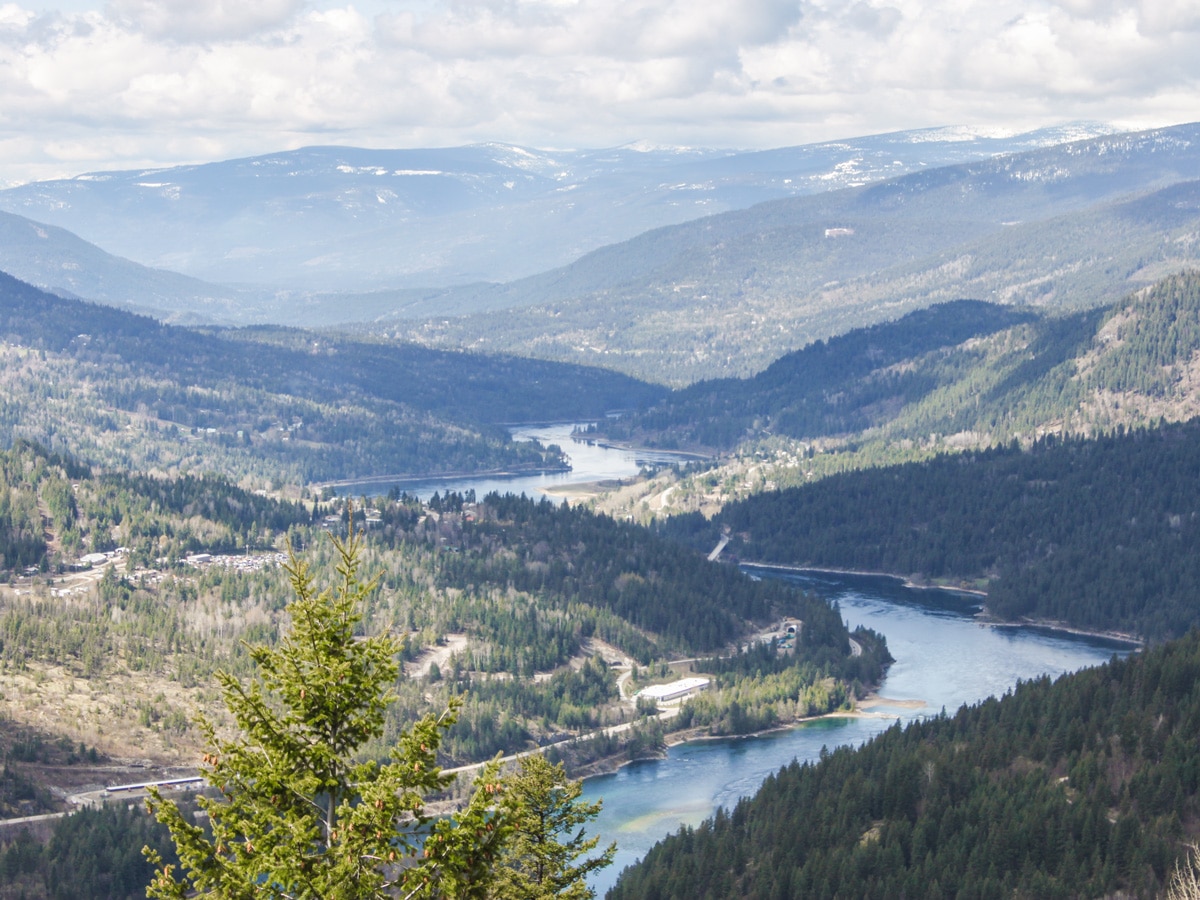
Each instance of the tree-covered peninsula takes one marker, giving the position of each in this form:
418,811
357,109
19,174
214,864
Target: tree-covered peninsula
1096,533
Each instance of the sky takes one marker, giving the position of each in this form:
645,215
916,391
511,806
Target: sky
89,85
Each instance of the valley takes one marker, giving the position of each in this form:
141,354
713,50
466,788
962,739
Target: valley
1075,226
671,267
980,376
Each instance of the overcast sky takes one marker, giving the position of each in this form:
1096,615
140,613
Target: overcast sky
89,84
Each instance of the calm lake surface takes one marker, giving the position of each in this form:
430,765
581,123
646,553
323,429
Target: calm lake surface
944,657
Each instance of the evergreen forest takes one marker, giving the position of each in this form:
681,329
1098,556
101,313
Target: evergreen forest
1099,534
91,855
841,385
529,610
528,613
957,376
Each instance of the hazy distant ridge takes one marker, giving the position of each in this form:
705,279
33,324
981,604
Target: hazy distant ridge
1070,226
353,219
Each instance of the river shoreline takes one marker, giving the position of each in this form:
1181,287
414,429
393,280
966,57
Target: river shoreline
684,455
440,476
984,617
904,580
1119,637
610,765
579,449
862,708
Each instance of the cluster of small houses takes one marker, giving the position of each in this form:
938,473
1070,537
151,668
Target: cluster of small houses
373,519
242,562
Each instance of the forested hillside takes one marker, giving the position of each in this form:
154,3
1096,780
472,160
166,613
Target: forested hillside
129,392
95,854
1098,533
533,584
54,510
460,386
1084,787
844,385
543,619
963,367
907,391
524,607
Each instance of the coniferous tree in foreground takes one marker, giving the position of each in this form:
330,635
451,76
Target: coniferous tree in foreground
546,854
298,816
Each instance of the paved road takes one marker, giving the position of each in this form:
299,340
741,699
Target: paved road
668,713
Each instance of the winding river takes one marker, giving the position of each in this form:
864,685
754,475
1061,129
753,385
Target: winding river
944,658
590,462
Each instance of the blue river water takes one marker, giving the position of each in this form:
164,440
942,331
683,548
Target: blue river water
590,462
944,658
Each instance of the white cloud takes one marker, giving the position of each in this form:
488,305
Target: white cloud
1153,17
13,16
141,82
1164,17
192,20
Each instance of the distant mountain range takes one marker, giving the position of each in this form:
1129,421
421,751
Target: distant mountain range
1068,226
351,220
1071,226
61,262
